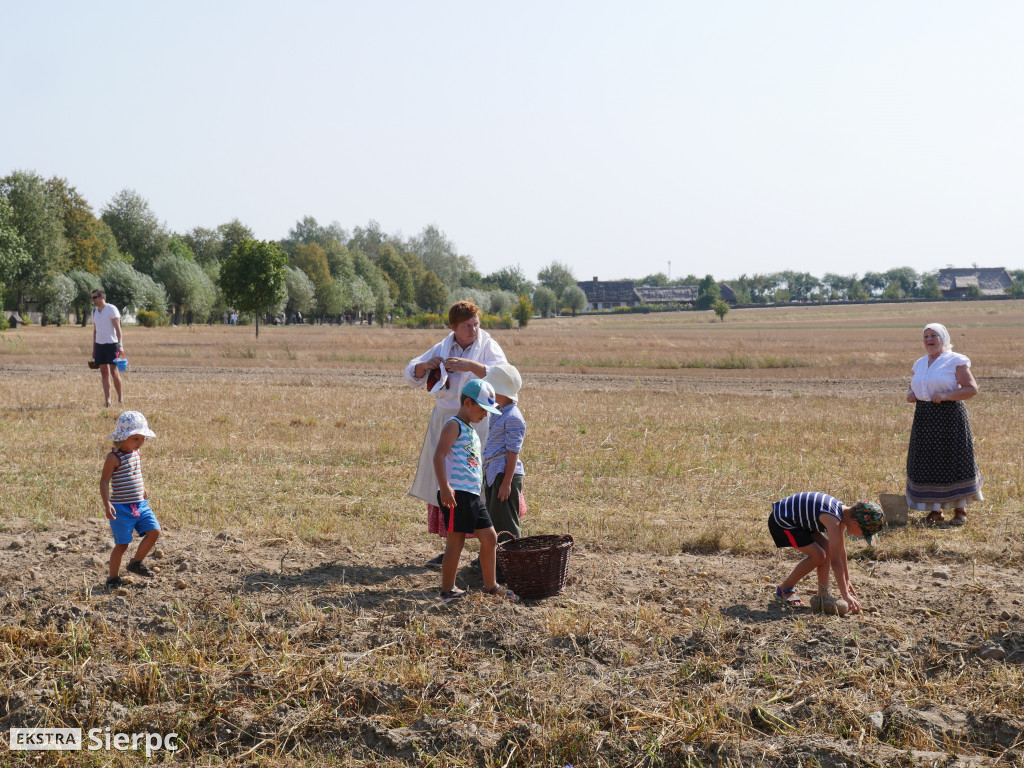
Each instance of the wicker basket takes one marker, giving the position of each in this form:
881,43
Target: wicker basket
535,566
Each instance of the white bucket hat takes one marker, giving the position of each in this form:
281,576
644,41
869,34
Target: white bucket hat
131,423
506,381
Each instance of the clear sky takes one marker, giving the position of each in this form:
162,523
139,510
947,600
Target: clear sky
726,137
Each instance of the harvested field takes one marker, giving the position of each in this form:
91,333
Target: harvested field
292,622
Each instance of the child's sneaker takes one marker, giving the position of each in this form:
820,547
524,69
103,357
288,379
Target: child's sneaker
113,582
453,594
139,567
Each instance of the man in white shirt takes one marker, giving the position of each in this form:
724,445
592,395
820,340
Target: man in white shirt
106,342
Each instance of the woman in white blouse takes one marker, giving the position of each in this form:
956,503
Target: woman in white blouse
941,470
468,352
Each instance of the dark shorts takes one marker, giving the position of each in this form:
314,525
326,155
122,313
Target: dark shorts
470,513
796,538
104,354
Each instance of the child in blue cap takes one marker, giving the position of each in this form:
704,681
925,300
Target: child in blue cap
459,477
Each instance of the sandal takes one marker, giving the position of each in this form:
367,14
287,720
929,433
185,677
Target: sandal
959,518
452,594
788,597
505,592
935,518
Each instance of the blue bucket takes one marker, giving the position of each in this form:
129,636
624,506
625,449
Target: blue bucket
122,364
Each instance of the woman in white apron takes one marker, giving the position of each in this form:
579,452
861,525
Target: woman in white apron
468,352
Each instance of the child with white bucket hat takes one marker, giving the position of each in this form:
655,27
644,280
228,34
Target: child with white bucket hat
503,469
125,498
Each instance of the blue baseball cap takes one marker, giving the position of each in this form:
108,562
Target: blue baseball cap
482,393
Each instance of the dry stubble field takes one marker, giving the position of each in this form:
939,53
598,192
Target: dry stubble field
292,623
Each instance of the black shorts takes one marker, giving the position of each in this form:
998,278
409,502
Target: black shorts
784,537
104,354
470,513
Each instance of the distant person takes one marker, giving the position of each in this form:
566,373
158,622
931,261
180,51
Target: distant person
464,354
457,469
503,469
234,318
125,498
106,343
941,470
816,524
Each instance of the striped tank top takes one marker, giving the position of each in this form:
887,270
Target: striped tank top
463,460
126,484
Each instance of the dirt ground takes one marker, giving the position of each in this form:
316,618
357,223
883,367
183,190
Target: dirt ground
260,620
919,614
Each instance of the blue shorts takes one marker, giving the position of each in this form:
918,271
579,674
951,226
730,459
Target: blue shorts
136,516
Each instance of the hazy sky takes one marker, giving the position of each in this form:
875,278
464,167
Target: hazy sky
725,137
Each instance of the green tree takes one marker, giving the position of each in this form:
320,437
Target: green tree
55,296
857,291
545,301
366,239
893,291
658,279
81,227
1015,289
930,286
252,277
708,293
231,235
523,311
152,296
136,228
396,269
874,282
439,255
334,300
361,298
123,285
204,243
510,279
575,299
721,308
85,284
13,254
500,301
301,292
37,220
190,292
558,277
309,231
312,260
431,293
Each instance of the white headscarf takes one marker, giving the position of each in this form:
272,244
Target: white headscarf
940,329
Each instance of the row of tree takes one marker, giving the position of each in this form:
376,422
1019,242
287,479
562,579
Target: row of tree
55,250
776,287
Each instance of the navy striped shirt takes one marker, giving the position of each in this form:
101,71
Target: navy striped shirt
802,510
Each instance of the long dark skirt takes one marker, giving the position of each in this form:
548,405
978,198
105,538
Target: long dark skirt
941,470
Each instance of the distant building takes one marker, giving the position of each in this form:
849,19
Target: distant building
956,283
603,295
666,294
728,294
608,294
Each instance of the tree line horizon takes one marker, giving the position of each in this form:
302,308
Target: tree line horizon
55,250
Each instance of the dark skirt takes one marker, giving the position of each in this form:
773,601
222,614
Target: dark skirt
941,470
